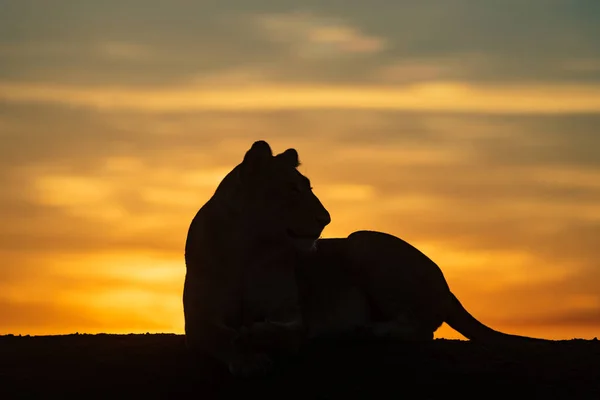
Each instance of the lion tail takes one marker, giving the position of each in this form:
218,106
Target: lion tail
459,319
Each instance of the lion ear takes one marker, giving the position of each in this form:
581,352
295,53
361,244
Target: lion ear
256,157
290,157
260,150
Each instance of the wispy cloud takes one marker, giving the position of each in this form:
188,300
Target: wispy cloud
35,49
313,36
123,50
57,50
433,68
431,96
581,65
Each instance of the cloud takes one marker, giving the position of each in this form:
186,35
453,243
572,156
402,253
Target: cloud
581,65
430,96
34,49
312,36
122,50
448,67
236,77
65,50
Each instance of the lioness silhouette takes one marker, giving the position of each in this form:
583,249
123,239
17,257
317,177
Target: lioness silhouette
260,279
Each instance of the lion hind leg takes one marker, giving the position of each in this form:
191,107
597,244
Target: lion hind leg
400,328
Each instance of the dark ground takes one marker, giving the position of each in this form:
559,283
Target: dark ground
157,366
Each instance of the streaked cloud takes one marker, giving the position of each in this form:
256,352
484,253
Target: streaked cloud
430,96
111,49
123,50
312,36
431,69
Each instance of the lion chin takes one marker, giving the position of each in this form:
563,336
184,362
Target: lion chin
303,243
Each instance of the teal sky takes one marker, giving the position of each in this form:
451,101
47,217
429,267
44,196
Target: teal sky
150,42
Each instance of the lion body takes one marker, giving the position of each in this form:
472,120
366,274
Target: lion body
378,284
372,280
260,280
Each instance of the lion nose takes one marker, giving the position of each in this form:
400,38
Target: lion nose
324,219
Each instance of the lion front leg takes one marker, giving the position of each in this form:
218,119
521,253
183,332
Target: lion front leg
254,346
247,360
212,329
277,336
230,348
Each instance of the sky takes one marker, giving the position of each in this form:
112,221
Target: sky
468,128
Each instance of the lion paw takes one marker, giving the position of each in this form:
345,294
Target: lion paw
251,365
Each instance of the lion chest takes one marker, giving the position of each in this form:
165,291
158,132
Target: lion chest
269,292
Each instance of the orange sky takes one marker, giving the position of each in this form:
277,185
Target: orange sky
111,139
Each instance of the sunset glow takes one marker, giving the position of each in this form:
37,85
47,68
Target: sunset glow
119,119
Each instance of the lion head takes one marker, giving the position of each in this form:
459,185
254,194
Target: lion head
274,201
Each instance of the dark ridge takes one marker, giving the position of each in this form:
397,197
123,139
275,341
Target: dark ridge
158,366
